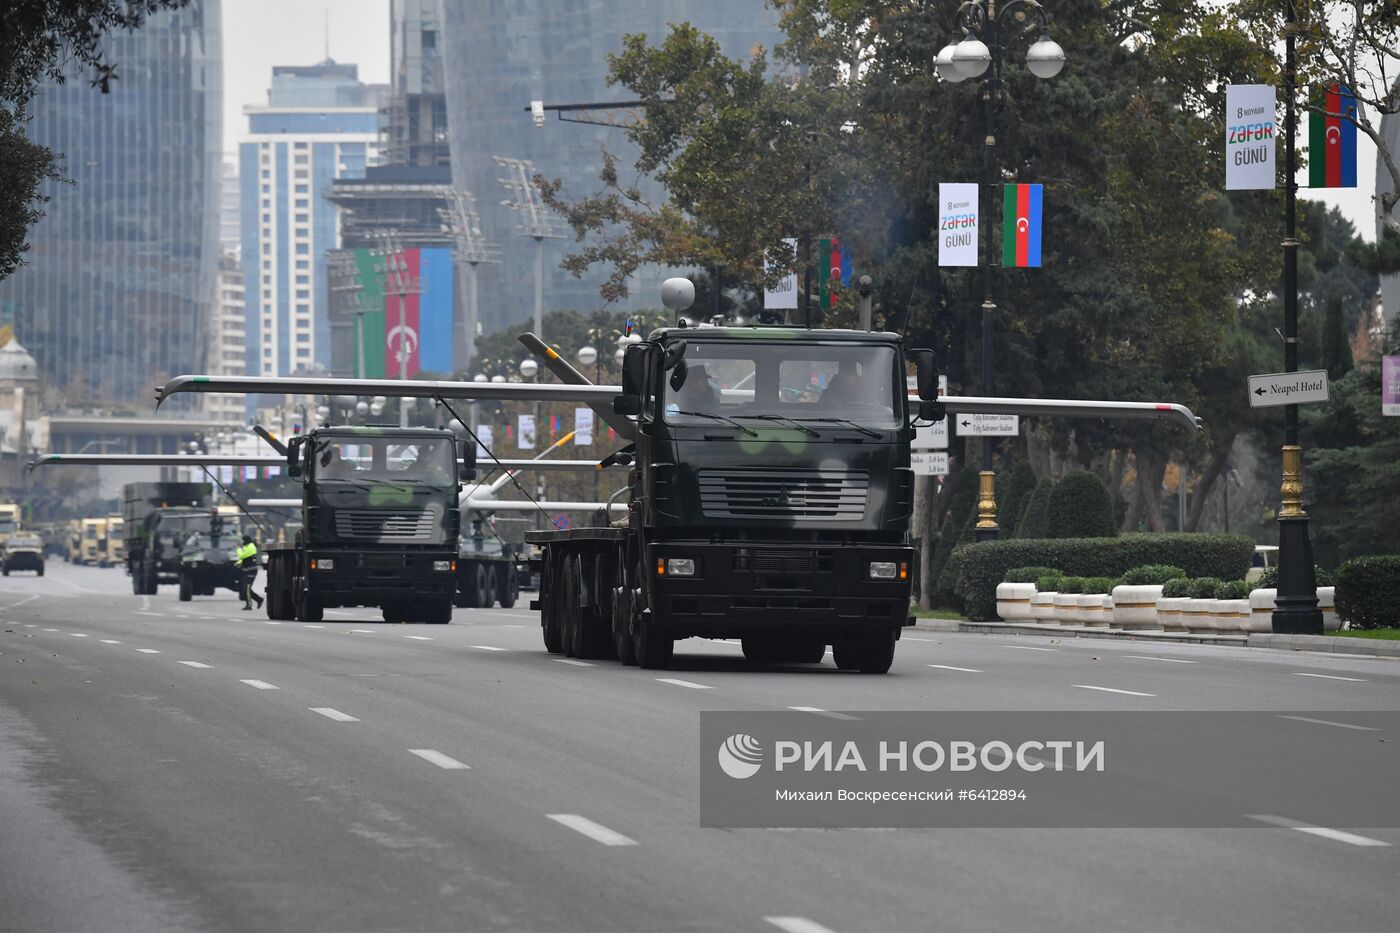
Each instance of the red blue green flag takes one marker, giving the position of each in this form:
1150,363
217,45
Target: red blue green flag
1022,216
1332,139
833,270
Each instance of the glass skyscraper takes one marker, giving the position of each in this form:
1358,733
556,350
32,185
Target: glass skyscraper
119,284
501,54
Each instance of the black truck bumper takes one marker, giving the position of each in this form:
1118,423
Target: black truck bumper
739,590
360,578
24,561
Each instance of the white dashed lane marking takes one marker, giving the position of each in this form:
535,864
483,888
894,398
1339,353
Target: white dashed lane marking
438,758
198,664
1328,722
798,925
1131,693
109,641
362,631
1029,648
1142,657
486,648
77,634
949,667
335,714
824,712
148,651
1355,680
1336,835
683,683
419,637
595,831
259,684
572,663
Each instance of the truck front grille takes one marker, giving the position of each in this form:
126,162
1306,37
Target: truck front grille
406,525
828,495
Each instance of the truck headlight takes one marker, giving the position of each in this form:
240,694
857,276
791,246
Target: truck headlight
324,563
680,566
883,570
445,565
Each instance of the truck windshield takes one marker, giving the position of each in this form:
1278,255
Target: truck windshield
23,541
808,384
427,460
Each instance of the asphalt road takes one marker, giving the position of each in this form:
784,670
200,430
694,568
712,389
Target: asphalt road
188,766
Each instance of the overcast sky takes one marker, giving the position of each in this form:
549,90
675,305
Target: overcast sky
261,33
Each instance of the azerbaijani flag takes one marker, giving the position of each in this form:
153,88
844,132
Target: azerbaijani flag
1022,214
1332,140
833,270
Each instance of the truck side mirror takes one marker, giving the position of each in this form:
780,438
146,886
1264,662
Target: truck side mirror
627,405
931,412
294,469
673,355
468,470
633,369
926,367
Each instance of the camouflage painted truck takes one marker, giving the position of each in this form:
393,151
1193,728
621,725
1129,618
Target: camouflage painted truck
156,520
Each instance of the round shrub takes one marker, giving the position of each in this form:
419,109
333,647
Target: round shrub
1035,514
1204,587
1232,589
1071,585
1080,508
1099,585
1152,574
1050,583
1029,574
1177,588
1368,591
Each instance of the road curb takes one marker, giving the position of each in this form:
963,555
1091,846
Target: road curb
1327,643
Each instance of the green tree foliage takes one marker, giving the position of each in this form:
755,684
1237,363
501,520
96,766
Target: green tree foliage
1012,497
1080,508
1336,348
962,502
1035,516
24,167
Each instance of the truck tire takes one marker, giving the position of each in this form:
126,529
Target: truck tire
309,608
186,588
41,570
622,625
508,586
488,598
871,653
551,615
438,612
653,647
483,587
570,627
805,651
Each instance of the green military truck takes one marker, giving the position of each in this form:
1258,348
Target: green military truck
157,519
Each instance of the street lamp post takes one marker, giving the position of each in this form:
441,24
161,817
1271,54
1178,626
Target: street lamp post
397,279
533,219
978,54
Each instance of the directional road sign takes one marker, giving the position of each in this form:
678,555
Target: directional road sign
929,462
1273,389
931,436
988,425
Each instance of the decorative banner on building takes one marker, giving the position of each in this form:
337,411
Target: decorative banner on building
483,439
1022,216
957,224
1249,136
427,312
833,270
784,296
525,433
1332,138
1390,385
583,427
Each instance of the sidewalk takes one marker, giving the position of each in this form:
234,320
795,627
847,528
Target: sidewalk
1326,643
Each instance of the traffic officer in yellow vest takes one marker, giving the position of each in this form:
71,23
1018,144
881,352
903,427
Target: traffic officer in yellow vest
248,565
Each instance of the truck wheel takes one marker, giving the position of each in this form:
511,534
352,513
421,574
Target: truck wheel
654,648
483,587
622,625
549,601
6,571
41,570
869,653
310,609
571,625
806,651
488,595
508,587
186,588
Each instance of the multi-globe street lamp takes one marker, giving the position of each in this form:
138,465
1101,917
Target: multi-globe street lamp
987,28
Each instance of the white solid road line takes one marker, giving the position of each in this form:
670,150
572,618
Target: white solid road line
109,641
419,637
683,683
572,663
330,713
27,599
259,684
148,651
362,631
594,831
1029,648
1355,680
487,648
824,712
798,925
949,667
1143,657
1334,834
1328,722
438,758
1131,693
77,634
197,664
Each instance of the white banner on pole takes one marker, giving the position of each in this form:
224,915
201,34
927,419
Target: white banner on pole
226,474
957,224
525,432
784,296
483,439
250,473
1249,136
583,427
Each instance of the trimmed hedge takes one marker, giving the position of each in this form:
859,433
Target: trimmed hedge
1011,500
1102,585
1050,583
1269,580
962,499
1028,574
1177,588
1368,591
1071,585
1204,587
982,565
1080,508
1035,517
1232,589
1151,575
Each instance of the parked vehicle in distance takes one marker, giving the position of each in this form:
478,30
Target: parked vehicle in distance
1265,556
22,551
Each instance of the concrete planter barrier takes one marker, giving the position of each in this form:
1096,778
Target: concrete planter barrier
1327,602
1067,608
1199,615
1232,615
1171,613
1014,601
1135,607
1261,609
1091,610
1043,607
